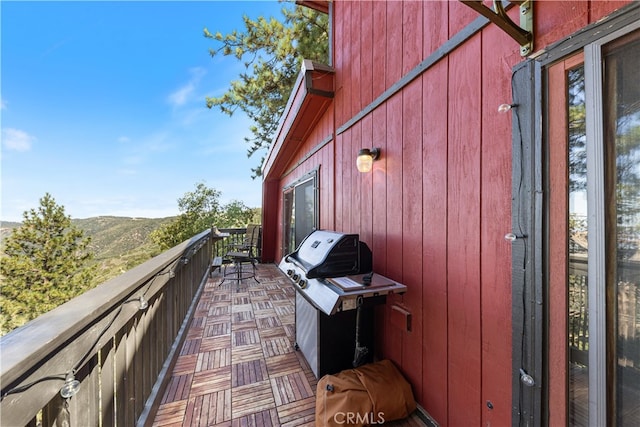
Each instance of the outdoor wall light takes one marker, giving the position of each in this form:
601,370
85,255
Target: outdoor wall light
365,159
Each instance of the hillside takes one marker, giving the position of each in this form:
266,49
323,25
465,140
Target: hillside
119,243
113,236
5,229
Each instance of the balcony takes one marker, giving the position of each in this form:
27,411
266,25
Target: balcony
164,344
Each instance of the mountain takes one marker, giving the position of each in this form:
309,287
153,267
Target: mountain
5,229
112,236
119,243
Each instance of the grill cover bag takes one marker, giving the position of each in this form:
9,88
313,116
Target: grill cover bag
370,394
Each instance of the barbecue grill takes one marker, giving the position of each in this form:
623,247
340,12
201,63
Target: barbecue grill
336,291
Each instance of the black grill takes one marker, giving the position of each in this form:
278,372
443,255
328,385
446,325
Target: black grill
336,291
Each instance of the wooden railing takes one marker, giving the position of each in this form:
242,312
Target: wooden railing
578,319
628,310
108,351
236,237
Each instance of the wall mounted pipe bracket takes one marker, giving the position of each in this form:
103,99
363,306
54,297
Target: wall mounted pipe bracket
523,33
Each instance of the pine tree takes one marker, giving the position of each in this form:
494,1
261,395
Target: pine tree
44,265
272,52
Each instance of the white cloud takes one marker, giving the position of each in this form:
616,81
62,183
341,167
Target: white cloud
124,139
182,95
16,139
3,104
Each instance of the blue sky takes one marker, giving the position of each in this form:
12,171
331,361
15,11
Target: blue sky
103,106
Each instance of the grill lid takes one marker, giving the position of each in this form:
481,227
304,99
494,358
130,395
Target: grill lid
325,254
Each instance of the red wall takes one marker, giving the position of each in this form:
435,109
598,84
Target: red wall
437,205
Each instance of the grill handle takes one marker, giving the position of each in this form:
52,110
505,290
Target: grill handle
296,262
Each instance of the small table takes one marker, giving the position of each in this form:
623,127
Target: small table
239,274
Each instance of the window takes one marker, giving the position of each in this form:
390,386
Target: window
300,207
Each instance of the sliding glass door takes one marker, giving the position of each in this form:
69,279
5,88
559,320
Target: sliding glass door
594,202
300,209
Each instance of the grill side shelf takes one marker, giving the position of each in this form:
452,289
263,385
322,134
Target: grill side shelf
354,285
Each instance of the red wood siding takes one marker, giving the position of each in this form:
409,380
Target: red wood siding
393,62
412,34
367,64
357,46
378,48
412,233
379,190
463,240
495,214
434,247
434,217
436,206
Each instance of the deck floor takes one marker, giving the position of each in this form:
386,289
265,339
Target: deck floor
238,365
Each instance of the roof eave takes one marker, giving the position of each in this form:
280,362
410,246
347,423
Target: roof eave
319,5
311,96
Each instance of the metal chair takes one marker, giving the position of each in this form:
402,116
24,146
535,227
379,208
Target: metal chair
241,254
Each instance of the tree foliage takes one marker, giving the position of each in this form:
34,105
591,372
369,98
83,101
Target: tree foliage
577,130
235,215
272,52
199,211
45,264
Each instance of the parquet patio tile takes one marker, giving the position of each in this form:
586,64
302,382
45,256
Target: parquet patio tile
238,365
237,358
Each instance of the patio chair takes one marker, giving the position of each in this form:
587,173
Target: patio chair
239,255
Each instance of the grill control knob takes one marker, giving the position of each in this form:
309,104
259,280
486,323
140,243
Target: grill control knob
289,272
296,277
303,284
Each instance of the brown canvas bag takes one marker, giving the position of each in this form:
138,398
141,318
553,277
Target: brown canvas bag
370,394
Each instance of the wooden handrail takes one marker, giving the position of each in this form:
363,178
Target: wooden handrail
105,339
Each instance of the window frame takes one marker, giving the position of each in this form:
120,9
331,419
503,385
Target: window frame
289,233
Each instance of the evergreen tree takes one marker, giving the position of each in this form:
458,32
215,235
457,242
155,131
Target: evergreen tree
44,265
272,52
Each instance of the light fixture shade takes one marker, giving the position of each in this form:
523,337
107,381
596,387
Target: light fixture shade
364,162
365,159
